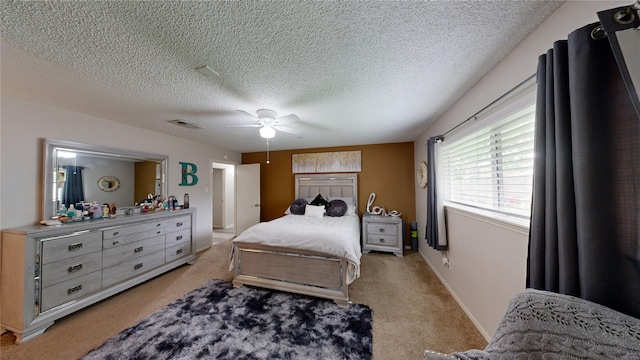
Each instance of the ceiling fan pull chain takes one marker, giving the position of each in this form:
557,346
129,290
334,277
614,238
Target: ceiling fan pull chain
267,150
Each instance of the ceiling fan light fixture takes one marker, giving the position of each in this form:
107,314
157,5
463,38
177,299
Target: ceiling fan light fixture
267,132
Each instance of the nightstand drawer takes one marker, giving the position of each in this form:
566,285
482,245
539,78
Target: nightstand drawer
382,229
382,240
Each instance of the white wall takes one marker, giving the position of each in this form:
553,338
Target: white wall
25,123
487,261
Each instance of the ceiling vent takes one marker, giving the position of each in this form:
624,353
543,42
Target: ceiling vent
184,124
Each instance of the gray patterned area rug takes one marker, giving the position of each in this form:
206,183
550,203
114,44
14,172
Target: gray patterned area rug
218,321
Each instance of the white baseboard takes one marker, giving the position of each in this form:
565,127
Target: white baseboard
475,322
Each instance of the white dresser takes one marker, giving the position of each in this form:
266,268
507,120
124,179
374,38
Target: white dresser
382,233
51,271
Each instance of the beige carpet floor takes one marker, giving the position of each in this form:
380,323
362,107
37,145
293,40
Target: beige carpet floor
220,235
412,309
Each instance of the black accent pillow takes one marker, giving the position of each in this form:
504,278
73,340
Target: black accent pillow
319,201
337,208
297,206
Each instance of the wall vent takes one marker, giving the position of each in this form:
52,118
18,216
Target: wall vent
185,124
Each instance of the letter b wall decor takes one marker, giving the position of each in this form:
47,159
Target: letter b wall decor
189,177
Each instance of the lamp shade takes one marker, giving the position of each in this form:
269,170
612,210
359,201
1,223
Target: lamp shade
267,132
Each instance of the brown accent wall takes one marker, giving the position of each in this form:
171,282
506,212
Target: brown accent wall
387,170
145,180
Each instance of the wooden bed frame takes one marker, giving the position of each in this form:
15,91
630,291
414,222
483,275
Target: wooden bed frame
297,271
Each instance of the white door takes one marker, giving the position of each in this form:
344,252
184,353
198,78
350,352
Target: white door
247,196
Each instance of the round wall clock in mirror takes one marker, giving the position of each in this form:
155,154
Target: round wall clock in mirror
109,183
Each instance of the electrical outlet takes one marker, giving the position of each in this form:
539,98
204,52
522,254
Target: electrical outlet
445,261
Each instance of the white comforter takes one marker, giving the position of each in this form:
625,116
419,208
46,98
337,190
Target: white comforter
337,236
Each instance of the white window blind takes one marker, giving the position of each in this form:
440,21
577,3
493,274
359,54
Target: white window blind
492,168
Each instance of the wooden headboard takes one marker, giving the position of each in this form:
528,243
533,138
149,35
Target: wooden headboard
329,185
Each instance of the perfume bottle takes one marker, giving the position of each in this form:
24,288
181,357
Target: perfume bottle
71,213
185,204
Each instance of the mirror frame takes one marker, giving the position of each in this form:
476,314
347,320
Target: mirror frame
52,146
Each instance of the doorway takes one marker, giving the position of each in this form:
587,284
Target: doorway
222,198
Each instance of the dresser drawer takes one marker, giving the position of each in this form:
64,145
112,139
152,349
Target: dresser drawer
118,254
382,240
131,238
121,231
178,237
178,251
71,268
382,229
59,248
131,268
63,292
178,223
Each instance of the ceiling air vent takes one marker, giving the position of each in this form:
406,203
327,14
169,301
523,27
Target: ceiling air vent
184,124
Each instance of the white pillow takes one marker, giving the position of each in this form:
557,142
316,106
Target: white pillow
351,210
314,211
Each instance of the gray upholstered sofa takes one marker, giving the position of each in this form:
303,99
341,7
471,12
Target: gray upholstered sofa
545,325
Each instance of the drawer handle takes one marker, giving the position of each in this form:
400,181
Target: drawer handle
178,237
116,233
74,268
381,240
179,251
158,232
179,224
381,229
138,249
137,266
74,289
76,246
116,242
158,225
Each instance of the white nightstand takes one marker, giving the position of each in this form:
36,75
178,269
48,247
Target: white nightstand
382,233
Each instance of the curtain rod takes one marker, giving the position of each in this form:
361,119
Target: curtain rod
474,116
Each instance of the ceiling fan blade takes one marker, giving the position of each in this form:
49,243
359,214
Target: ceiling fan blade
248,114
287,129
287,119
253,125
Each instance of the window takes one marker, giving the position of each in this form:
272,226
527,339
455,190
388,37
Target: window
492,167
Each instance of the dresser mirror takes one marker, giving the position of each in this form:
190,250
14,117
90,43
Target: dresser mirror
76,172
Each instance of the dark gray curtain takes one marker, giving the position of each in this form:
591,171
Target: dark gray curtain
585,226
434,233
73,190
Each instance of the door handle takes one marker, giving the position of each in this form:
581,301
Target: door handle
256,205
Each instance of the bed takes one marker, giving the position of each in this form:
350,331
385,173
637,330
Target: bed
316,256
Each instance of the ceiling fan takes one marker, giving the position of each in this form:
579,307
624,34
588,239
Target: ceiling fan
268,122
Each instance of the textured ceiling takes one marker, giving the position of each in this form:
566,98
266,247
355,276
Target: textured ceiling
354,72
